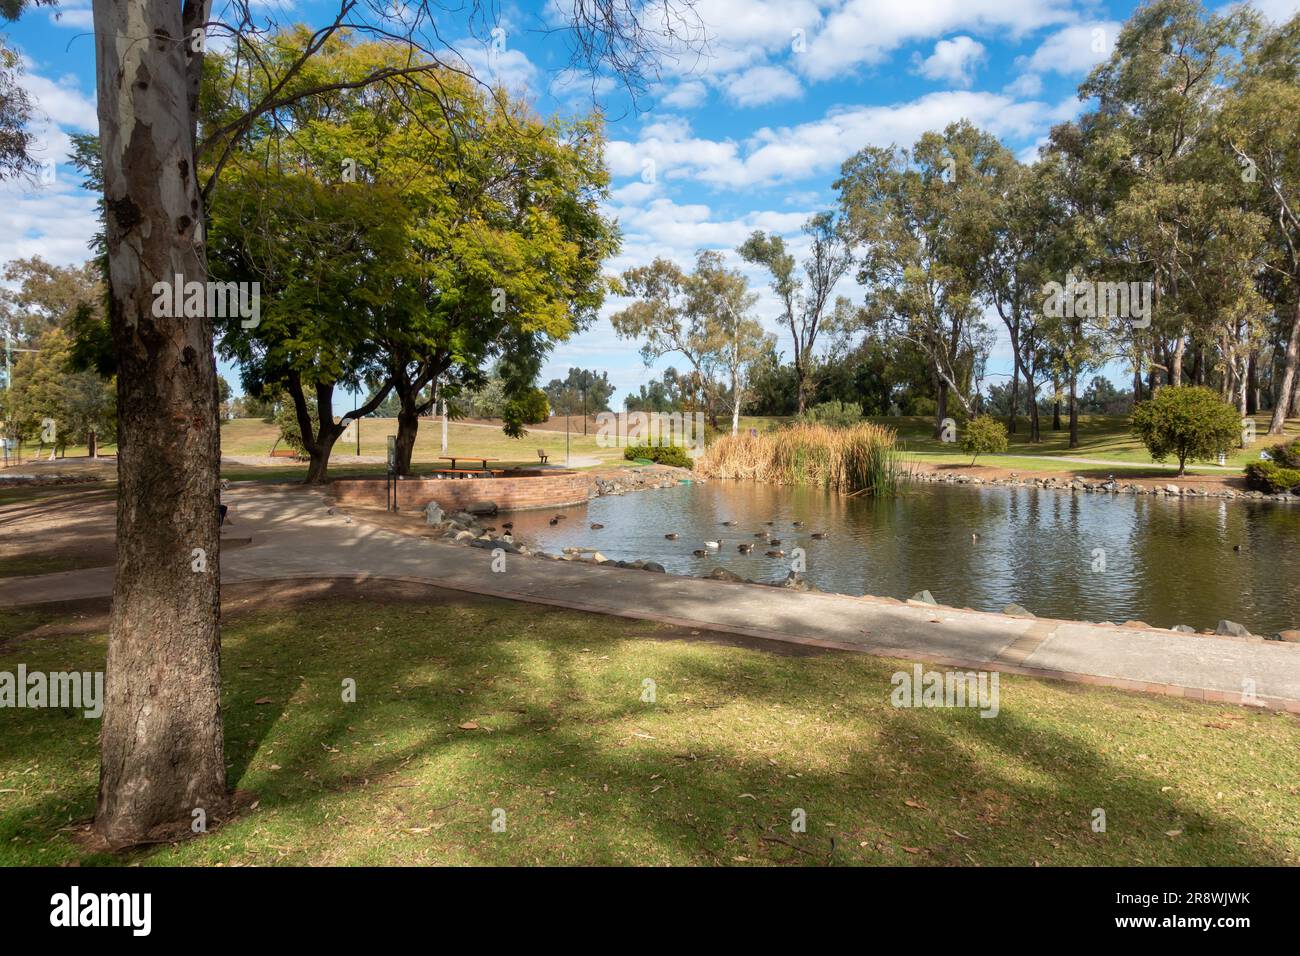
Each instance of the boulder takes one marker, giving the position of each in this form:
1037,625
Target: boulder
722,574
1173,490
1015,610
925,597
653,566
464,536
483,508
1227,628
1183,629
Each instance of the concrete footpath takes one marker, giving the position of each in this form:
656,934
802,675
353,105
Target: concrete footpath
295,536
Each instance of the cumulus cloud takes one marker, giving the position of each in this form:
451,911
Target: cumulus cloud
763,84
865,32
775,155
953,61
1075,49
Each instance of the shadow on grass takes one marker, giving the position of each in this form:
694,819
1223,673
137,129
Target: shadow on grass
735,743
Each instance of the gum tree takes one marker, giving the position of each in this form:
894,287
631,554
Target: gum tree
161,742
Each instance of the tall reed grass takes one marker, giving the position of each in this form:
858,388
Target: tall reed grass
860,459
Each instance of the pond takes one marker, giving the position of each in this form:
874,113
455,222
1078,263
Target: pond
1095,557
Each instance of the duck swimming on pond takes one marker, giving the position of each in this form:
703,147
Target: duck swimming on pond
773,541
775,554
699,552
597,527
671,536
760,534
744,548
819,535
554,521
713,545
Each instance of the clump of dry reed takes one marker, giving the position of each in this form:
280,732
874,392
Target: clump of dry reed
860,459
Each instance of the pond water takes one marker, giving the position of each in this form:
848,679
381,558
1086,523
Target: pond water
1166,560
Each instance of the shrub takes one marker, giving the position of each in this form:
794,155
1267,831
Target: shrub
1270,477
1287,454
834,413
1188,422
674,455
983,435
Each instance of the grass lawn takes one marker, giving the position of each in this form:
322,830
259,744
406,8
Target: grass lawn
1106,437
467,704
252,436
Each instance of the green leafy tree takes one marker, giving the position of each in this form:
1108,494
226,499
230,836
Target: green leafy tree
983,435
1188,422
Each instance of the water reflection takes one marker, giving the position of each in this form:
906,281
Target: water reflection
1161,560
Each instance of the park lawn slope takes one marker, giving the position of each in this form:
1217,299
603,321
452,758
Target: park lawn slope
468,705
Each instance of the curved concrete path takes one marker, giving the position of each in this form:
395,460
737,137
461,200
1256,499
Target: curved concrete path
295,536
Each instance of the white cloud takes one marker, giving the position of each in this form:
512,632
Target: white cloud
509,67
73,18
59,101
1277,11
864,32
763,84
953,61
685,96
795,153
1075,49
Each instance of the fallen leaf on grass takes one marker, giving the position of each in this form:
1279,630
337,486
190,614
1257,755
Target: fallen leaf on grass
468,725
262,700
916,805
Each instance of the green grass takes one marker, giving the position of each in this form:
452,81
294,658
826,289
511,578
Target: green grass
1106,437
587,773
252,436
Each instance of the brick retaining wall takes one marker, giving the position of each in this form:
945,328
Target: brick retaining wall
538,490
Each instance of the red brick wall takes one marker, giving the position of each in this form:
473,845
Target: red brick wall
549,490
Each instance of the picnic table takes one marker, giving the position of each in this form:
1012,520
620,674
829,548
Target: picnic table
454,458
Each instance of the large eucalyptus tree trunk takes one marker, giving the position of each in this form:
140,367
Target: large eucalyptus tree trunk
1289,373
161,738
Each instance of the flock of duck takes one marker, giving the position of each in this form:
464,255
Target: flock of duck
773,543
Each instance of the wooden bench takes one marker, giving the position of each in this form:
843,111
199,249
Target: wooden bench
454,458
285,453
541,453
467,472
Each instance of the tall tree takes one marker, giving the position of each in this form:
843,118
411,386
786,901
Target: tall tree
805,301
161,743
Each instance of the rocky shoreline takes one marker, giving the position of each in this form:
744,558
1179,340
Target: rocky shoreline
1110,486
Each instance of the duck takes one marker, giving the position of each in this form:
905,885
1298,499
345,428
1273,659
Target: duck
760,534
775,554
597,527
671,536
1236,547
744,548
713,545
507,525
699,552
728,524
797,524
770,523
553,522
820,535
773,542
974,537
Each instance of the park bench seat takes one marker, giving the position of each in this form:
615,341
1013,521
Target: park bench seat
541,453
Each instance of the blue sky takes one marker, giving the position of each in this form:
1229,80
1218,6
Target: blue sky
745,131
